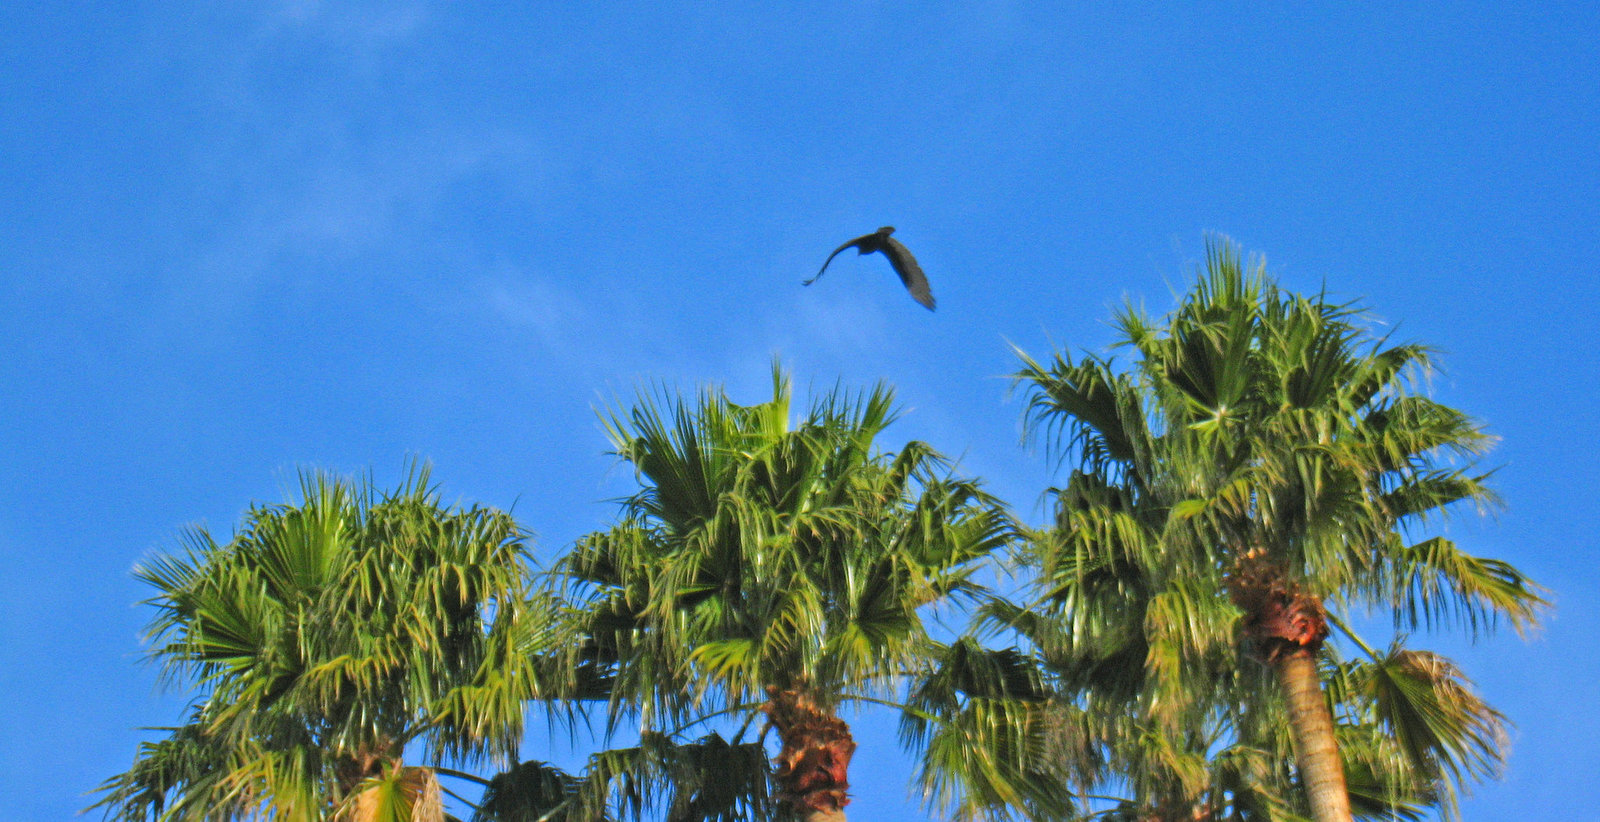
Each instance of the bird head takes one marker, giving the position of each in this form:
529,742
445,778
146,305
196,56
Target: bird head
885,231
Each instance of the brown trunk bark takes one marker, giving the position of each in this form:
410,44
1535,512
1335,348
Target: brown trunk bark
1321,768
813,766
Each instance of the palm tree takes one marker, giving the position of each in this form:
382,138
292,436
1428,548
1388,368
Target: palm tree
768,570
326,642
1265,461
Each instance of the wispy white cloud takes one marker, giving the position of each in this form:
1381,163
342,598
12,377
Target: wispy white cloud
831,328
552,313
347,207
356,23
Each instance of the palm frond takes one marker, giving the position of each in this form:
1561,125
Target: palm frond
1434,582
532,791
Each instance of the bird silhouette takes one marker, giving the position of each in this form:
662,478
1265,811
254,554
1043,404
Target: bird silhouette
899,256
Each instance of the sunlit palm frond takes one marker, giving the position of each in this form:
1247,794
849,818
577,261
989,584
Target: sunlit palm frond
399,794
1440,724
1434,582
1097,410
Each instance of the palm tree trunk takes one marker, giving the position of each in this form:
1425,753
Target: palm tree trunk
1287,627
1321,768
813,766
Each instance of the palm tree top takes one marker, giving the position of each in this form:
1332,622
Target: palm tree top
773,565
1260,464
327,638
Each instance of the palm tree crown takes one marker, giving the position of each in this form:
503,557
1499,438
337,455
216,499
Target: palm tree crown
768,569
325,641
1264,461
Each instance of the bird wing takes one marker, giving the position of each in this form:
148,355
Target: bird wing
852,244
910,273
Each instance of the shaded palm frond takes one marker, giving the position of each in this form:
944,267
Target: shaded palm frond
532,791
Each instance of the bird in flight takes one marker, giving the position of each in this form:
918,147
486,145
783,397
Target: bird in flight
899,256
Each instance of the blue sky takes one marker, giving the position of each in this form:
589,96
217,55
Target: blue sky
241,239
